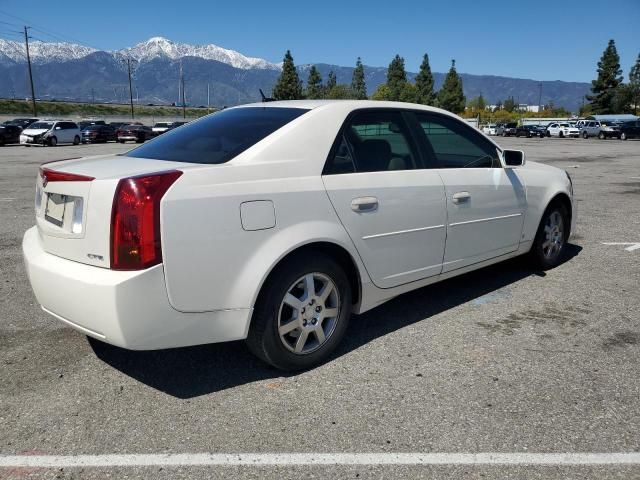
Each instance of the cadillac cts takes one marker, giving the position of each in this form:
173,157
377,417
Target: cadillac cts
275,222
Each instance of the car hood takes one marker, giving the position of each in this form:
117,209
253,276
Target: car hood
32,132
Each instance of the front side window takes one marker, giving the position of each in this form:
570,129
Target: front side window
219,137
373,141
455,144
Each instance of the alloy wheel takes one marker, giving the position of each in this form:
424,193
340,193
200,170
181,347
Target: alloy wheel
554,235
308,313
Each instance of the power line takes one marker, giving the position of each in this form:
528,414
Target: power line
49,32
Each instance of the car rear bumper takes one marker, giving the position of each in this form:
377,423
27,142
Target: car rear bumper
127,138
127,309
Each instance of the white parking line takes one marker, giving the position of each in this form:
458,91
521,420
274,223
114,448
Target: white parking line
7,199
305,459
630,248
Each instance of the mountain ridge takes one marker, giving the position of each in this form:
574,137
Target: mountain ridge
68,71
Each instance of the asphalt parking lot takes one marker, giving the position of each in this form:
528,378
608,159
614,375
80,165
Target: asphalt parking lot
503,360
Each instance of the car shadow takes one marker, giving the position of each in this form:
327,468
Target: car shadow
193,371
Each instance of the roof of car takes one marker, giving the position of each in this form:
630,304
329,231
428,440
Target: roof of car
311,104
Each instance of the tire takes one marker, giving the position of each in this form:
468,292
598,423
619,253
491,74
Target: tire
52,142
623,136
585,135
548,133
1,141
561,135
551,237
601,136
121,141
291,280
528,135
76,140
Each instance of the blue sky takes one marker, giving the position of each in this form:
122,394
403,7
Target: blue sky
539,39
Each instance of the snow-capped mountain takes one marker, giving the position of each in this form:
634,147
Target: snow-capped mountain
43,52
161,47
156,47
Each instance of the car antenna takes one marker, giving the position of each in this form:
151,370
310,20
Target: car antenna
265,98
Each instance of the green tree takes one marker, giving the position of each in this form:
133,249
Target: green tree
358,85
381,93
340,91
509,104
450,96
396,78
424,84
609,78
331,81
409,93
314,84
288,86
634,85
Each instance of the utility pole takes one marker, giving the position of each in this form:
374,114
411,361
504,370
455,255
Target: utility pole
184,104
208,98
130,89
33,94
93,96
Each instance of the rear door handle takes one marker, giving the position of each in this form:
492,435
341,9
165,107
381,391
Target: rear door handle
364,204
461,197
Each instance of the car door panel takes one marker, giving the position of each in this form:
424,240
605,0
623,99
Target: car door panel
402,240
489,223
394,212
485,202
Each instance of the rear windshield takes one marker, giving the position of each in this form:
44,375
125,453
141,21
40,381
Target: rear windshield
219,137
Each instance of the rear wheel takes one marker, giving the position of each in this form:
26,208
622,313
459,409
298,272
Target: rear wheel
561,135
301,313
585,135
623,136
551,237
76,140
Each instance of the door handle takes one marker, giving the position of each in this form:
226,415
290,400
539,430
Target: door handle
461,197
364,204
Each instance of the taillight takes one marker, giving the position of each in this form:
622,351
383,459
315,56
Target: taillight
49,175
135,220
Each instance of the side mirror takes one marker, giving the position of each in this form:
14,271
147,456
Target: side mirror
513,158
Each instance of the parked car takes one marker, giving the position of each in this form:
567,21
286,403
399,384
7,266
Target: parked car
489,129
160,127
629,130
21,122
528,131
564,129
85,123
9,134
609,130
176,125
117,125
99,134
506,129
134,133
240,225
51,133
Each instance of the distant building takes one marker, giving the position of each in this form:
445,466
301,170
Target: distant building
523,107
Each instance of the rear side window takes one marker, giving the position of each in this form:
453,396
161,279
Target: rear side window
455,144
219,137
373,141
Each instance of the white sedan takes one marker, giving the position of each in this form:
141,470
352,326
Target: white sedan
275,222
489,129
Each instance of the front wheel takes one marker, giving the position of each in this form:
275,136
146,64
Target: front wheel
601,136
551,237
53,141
585,135
76,140
302,312
561,135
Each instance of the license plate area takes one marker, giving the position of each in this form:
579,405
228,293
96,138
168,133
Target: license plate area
55,208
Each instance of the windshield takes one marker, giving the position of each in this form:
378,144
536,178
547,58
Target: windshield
41,126
162,124
565,125
219,137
